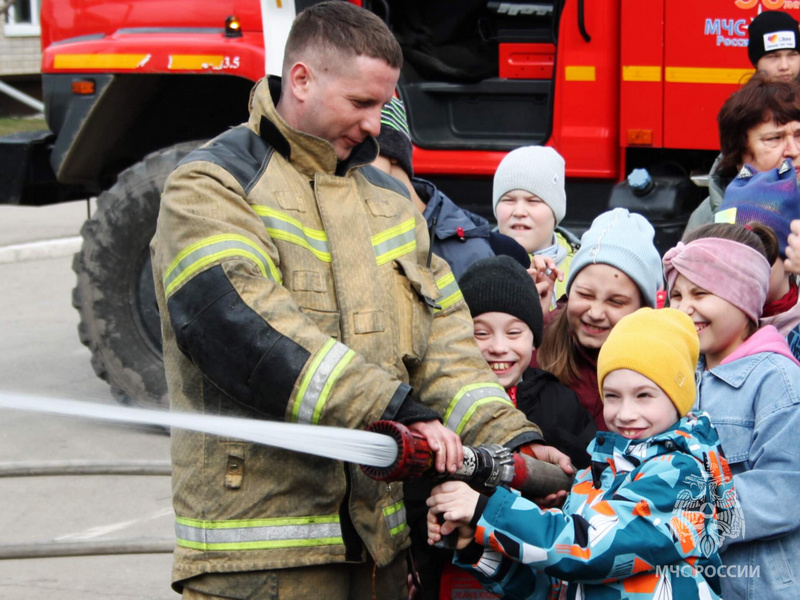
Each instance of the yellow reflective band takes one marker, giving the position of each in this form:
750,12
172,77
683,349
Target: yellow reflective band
395,516
283,227
318,381
202,253
399,529
99,61
195,62
707,75
261,545
580,73
451,293
267,522
253,534
641,73
390,510
468,399
395,241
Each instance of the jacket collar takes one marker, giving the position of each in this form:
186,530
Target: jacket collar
692,435
737,367
307,153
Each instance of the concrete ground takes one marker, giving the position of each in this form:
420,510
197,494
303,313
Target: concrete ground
40,354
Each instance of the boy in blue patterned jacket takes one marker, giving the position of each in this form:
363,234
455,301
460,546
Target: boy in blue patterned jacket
645,520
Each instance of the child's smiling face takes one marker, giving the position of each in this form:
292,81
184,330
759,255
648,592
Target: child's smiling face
720,326
634,406
506,343
599,297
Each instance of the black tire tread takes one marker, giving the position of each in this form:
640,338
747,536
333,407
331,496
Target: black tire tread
113,239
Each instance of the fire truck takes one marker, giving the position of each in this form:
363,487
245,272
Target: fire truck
132,86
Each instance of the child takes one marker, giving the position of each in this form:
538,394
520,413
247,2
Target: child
529,201
645,521
616,271
508,326
749,382
766,202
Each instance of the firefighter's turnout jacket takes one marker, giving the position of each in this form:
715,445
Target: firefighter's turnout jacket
295,288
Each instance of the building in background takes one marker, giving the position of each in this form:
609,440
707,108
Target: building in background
20,53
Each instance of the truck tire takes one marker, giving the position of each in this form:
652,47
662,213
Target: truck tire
115,294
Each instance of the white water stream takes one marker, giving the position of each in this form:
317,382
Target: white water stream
349,445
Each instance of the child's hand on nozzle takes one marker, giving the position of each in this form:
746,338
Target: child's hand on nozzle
456,502
438,530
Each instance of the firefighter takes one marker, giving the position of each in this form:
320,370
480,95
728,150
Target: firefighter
292,283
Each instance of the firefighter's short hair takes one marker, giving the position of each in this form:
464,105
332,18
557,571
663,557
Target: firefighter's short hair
343,27
760,100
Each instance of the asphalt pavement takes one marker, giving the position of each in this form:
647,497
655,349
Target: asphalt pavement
40,354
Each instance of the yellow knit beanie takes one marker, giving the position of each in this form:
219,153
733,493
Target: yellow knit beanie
660,344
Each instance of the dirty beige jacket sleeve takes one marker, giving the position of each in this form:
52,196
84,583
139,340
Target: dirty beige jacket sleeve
220,292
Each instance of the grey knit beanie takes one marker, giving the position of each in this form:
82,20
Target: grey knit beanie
501,284
623,240
538,170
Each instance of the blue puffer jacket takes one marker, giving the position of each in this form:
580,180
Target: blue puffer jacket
644,521
459,236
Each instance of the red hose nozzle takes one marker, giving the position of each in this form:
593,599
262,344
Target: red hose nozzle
414,456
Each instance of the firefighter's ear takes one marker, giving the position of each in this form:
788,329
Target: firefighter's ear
300,79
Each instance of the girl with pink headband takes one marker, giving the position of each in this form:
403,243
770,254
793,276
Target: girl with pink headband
749,383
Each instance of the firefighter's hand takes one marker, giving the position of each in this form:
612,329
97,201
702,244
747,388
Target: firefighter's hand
446,444
792,262
553,456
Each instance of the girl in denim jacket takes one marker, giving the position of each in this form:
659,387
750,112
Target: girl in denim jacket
749,382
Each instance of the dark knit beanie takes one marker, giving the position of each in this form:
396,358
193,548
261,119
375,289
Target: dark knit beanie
394,139
501,284
771,30
504,245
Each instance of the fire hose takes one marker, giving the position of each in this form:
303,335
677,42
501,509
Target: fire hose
387,451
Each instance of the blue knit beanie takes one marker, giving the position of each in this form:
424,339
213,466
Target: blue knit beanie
769,197
622,240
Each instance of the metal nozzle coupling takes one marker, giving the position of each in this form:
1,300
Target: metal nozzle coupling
489,465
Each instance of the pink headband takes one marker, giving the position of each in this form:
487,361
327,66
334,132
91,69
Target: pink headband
735,272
